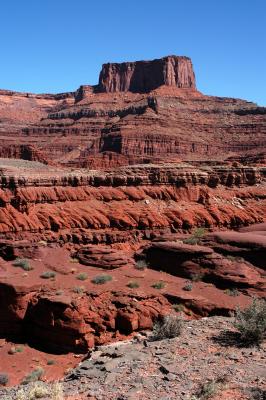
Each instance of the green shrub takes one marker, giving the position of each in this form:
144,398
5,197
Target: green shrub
158,285
211,388
79,289
22,263
251,322
196,236
178,307
101,279
133,285
197,277
15,349
191,240
168,327
4,379
232,292
141,264
50,362
48,275
33,376
82,276
188,287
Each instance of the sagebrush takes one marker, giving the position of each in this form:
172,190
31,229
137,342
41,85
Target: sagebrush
251,322
167,327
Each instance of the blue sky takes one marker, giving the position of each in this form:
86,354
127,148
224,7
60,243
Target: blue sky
56,45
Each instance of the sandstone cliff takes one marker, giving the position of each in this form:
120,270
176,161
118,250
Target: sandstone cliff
144,76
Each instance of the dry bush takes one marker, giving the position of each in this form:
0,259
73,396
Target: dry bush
168,327
251,322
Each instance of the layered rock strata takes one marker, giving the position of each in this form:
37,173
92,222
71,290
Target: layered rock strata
144,111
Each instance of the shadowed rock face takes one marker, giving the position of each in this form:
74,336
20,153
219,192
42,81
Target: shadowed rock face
144,76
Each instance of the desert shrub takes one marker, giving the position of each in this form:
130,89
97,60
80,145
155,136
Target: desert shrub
168,327
141,264
197,277
211,388
178,307
158,285
50,362
74,260
78,289
133,285
101,279
191,240
196,236
251,322
232,292
33,376
38,391
22,263
48,275
57,391
188,287
234,258
15,349
82,276
3,379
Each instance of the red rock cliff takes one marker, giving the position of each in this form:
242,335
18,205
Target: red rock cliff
143,76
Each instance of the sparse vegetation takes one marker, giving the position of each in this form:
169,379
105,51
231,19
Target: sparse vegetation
197,277
74,260
251,322
178,307
15,349
234,258
82,276
101,279
158,285
79,289
196,236
210,389
188,287
22,263
168,327
232,292
141,264
38,391
4,379
33,376
57,391
50,362
48,275
133,284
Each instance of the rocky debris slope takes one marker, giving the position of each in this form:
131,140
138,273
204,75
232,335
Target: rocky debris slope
167,369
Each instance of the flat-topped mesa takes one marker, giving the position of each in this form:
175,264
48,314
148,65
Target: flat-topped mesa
144,76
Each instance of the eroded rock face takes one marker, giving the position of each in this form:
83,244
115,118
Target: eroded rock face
78,322
103,257
140,112
144,76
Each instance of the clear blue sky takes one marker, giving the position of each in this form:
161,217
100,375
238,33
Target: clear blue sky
56,45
